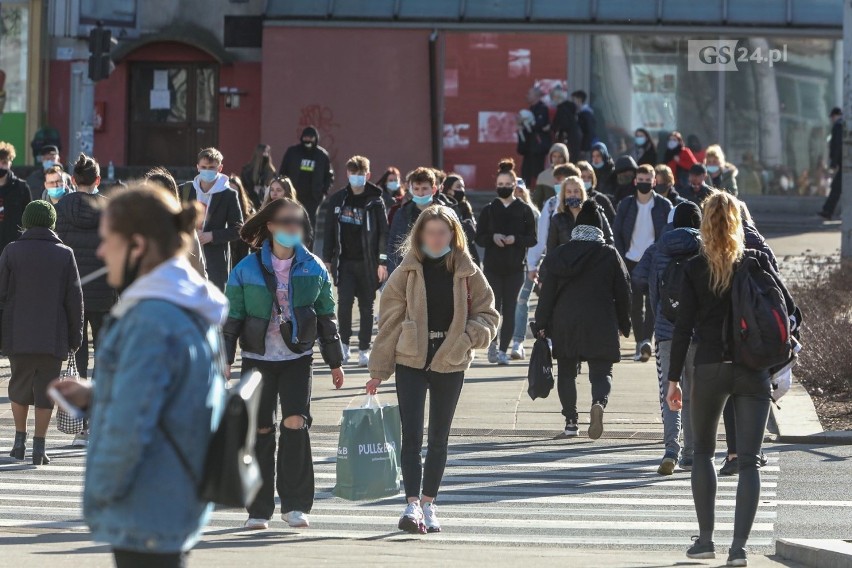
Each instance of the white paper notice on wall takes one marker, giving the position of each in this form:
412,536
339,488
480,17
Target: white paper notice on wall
160,99
161,79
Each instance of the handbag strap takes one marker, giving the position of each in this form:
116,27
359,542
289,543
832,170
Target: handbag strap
271,285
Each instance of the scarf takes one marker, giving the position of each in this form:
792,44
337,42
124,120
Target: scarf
587,233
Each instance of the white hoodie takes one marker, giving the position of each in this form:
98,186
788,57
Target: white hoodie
221,184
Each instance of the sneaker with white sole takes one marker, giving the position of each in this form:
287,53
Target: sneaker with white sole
81,440
430,518
596,421
412,520
347,352
517,352
701,550
492,353
363,357
502,358
256,524
571,428
737,557
667,466
645,351
296,519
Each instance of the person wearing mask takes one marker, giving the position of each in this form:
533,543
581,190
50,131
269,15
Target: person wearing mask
705,305
355,252
239,249
639,222
391,186
835,159
665,185
279,188
546,183
603,164
722,174
223,216
590,182
282,286
56,185
572,195
623,179
256,175
14,197
307,164
522,307
697,190
48,157
644,150
42,320
533,135
678,244
678,158
565,126
588,123
159,389
427,339
584,304
454,189
506,229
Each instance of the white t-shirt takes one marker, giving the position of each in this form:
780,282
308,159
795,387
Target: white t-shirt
643,232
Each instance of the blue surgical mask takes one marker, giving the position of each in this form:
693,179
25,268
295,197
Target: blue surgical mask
46,164
573,202
442,253
356,180
588,184
393,185
712,169
56,193
597,165
422,199
288,240
640,140
208,176
672,144
557,187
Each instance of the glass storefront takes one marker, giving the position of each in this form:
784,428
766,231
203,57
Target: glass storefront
14,54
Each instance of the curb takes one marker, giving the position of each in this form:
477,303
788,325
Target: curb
815,553
797,421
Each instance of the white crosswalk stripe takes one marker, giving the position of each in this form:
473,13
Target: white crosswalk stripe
499,490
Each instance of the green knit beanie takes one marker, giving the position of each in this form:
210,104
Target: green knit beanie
39,213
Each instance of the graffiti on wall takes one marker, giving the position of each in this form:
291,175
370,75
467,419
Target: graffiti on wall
321,117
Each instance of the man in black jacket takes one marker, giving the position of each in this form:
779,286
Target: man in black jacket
835,157
14,196
354,249
698,189
307,164
588,123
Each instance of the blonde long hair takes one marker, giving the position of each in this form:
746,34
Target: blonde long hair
458,244
578,181
722,238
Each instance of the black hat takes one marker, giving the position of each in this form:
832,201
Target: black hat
625,163
311,132
698,170
48,149
836,111
687,214
589,214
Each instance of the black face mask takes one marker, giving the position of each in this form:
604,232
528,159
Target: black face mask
458,195
505,192
131,273
4,172
643,187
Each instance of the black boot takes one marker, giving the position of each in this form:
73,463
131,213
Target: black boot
39,456
20,447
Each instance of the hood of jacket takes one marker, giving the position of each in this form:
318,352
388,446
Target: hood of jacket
679,242
465,268
221,184
601,147
310,131
177,282
625,163
574,257
561,148
81,209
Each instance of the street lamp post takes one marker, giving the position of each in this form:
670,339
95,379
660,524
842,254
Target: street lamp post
846,200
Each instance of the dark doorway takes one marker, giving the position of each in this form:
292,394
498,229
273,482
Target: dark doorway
173,112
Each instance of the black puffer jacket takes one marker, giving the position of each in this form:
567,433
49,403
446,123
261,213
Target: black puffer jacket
78,215
15,196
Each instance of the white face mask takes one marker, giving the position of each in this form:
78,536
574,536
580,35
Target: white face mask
672,144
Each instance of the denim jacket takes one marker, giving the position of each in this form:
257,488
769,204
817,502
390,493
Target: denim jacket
154,365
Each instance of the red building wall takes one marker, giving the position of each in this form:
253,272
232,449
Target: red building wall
58,97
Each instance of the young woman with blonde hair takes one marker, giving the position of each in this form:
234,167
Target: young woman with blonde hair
427,340
705,305
572,195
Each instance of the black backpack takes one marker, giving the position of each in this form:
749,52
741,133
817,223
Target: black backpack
758,324
670,284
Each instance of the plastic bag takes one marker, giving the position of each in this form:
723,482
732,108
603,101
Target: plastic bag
540,373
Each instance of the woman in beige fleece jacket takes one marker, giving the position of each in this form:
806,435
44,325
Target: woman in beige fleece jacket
436,308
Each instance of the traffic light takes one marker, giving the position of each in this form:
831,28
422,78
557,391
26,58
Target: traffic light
100,42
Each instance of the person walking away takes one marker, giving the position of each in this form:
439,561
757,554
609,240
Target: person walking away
705,305
454,189
661,269
665,185
565,126
14,197
590,182
679,159
623,179
307,164
391,186
256,175
639,222
302,309
603,164
56,185
239,249
835,163
506,229
223,217
722,175
534,136
644,150
522,307
546,182
48,157
584,304
436,309
587,121
698,190
354,250
42,320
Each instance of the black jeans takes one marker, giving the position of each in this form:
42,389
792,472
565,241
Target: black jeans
133,559
600,375
506,288
834,195
750,392
352,282
641,311
444,391
730,426
289,382
94,320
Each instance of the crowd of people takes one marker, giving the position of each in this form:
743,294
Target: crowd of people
612,247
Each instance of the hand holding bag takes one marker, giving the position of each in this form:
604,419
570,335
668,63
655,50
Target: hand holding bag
66,423
540,373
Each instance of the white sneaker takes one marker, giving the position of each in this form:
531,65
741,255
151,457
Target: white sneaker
492,353
412,520
517,352
571,429
81,440
346,353
296,519
363,357
430,518
502,358
256,524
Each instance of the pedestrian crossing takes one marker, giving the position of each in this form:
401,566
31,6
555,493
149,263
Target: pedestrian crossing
512,491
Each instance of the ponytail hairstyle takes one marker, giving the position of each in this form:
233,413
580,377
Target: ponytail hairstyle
254,231
722,238
86,170
506,166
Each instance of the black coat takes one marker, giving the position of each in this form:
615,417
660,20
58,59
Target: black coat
224,220
15,196
78,215
40,296
647,156
835,144
605,204
589,128
585,301
320,174
517,220
562,224
567,128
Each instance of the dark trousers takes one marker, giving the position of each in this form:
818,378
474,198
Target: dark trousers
641,311
312,206
600,375
94,320
133,559
444,391
290,383
352,282
506,288
750,391
532,165
730,426
834,195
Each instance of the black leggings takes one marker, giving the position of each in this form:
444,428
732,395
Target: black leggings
750,391
95,320
133,559
730,427
600,375
506,288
